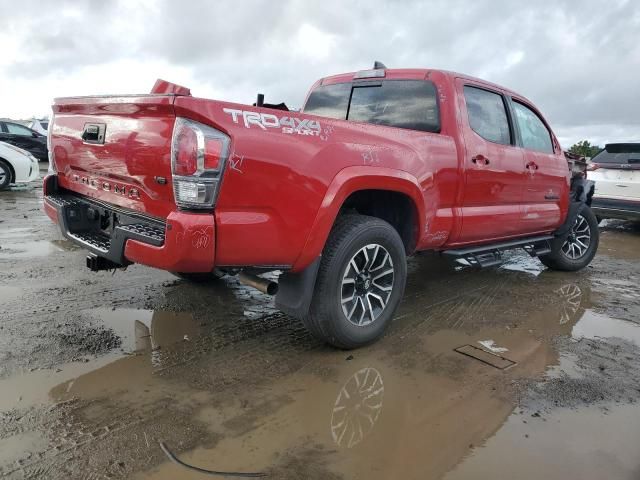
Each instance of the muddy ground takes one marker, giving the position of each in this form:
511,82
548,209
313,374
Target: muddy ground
97,368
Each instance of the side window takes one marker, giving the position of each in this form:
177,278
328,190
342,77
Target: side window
16,129
533,131
329,101
487,115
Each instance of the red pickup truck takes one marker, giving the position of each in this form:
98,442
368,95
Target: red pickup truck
378,164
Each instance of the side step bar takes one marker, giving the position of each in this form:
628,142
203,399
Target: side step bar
490,255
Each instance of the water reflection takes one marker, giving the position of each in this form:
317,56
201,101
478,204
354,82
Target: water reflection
357,407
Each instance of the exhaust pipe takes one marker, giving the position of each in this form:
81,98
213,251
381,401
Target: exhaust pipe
259,283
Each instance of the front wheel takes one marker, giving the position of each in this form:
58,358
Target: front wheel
577,249
360,282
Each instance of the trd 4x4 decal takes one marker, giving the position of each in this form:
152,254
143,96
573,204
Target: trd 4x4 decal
300,126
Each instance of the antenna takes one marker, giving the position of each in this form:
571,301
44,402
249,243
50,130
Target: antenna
378,65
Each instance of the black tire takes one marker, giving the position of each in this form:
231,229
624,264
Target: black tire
357,238
5,175
561,259
200,277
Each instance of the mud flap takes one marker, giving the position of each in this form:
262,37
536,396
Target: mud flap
295,290
581,194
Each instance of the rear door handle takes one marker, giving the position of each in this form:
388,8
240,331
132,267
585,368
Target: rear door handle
480,160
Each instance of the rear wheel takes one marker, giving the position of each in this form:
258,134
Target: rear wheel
5,175
360,282
578,248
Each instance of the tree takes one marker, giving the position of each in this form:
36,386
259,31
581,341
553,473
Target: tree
585,149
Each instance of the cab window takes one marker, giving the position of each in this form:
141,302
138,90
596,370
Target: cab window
533,132
487,115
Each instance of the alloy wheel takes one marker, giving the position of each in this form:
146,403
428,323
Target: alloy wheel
578,240
367,284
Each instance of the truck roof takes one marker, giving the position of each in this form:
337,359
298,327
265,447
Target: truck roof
414,74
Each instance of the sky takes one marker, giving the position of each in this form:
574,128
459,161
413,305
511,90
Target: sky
578,61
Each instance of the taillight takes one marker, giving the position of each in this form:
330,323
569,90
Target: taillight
198,157
592,166
187,152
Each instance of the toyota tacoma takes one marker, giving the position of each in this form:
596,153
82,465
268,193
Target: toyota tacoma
378,165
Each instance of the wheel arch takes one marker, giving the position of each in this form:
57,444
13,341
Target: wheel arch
348,189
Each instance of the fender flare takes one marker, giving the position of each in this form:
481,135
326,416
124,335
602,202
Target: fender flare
350,180
296,286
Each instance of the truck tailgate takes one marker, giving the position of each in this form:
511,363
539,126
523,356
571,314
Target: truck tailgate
116,149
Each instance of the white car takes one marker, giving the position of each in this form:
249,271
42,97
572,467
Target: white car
616,171
16,166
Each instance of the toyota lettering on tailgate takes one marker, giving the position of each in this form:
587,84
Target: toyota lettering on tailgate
98,184
290,125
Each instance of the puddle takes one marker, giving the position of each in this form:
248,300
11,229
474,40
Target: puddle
366,421
23,390
597,326
523,263
146,329
589,444
622,242
374,413
142,331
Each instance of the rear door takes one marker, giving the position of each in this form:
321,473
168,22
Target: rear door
616,171
493,166
546,179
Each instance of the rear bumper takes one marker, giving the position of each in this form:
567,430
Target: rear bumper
616,208
184,242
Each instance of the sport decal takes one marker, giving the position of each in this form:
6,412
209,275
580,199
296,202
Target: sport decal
290,125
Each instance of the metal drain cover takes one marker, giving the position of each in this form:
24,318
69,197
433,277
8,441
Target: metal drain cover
489,358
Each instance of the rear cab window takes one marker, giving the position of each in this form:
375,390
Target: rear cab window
409,104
